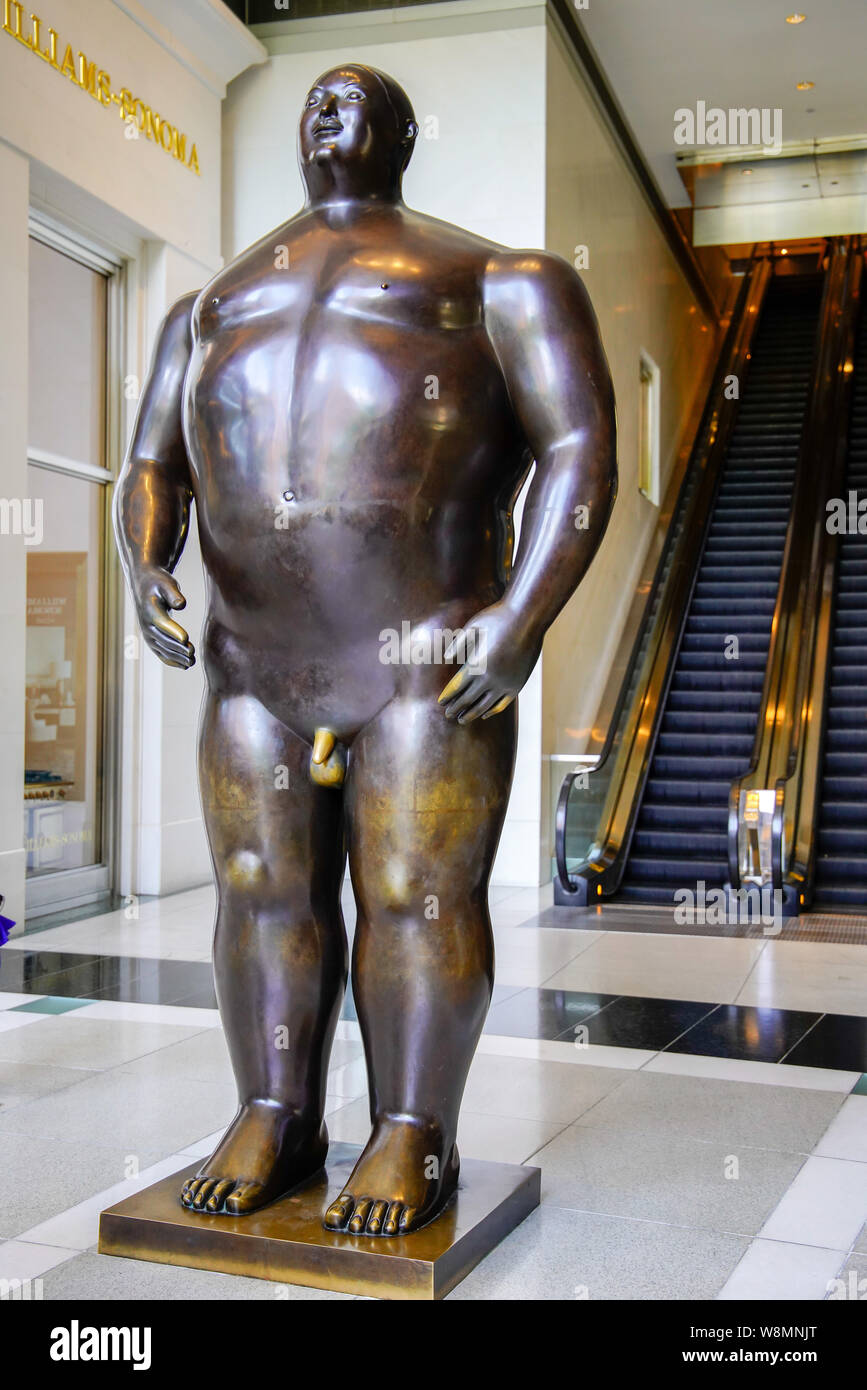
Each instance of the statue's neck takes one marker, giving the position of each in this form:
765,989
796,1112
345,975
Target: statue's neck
331,185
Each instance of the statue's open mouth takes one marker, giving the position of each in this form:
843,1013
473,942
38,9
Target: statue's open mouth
323,129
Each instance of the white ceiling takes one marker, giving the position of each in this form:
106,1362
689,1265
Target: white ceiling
659,55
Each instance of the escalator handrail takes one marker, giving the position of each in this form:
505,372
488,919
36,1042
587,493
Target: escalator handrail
769,756
633,755
793,842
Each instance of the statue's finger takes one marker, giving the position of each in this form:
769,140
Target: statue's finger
169,649
499,706
449,691
163,623
468,696
479,708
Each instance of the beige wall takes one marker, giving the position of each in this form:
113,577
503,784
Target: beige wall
642,301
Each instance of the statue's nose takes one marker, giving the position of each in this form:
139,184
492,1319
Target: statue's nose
329,105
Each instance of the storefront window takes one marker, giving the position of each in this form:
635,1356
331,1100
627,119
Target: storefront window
63,792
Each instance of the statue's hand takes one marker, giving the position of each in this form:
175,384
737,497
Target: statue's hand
155,594
498,657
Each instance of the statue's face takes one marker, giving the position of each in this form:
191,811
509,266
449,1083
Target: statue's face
346,117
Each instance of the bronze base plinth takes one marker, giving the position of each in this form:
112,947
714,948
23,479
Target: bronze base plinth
287,1242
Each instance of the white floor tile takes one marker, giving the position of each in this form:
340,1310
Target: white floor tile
773,1269
626,1058
846,1136
529,957
151,1013
704,969
823,977
826,1205
21,1260
8,1021
766,1073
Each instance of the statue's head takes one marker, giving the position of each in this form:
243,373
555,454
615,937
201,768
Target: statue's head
356,133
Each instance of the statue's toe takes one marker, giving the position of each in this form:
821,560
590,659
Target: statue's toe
391,1224
206,1187
246,1197
360,1215
376,1217
220,1193
339,1212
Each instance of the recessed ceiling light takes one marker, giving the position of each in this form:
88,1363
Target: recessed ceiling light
805,86
783,251
795,18
746,171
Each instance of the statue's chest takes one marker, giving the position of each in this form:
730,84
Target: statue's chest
359,295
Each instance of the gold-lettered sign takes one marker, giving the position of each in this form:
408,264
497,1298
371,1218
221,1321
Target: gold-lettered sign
138,117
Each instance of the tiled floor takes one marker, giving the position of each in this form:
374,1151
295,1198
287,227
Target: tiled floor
697,1105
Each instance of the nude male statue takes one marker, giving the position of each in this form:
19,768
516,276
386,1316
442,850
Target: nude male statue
353,404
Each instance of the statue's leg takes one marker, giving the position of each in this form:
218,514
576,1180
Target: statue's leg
425,804
279,950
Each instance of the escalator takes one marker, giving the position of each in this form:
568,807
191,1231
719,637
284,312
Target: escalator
841,859
662,807
707,729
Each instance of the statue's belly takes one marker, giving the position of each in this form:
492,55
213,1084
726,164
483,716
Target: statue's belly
331,616
339,499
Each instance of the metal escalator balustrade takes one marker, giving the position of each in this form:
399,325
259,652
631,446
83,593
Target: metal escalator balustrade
841,862
708,727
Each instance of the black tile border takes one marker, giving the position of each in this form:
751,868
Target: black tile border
734,1031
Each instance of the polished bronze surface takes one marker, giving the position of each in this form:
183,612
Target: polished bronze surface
287,1242
352,405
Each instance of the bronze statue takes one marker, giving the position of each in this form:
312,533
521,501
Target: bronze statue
353,404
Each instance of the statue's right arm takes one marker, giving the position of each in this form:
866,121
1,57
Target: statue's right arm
153,493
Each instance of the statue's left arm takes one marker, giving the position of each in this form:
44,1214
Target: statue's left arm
544,333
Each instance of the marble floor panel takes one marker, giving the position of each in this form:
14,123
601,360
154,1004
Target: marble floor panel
697,1105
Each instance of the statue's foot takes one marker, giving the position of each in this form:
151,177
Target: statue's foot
404,1178
266,1152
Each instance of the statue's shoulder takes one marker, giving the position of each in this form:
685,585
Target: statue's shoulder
262,254
537,289
447,238
540,274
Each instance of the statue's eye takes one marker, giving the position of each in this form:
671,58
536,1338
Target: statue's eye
311,100
355,96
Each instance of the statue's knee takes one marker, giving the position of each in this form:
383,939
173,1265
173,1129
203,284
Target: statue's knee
398,892
245,872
